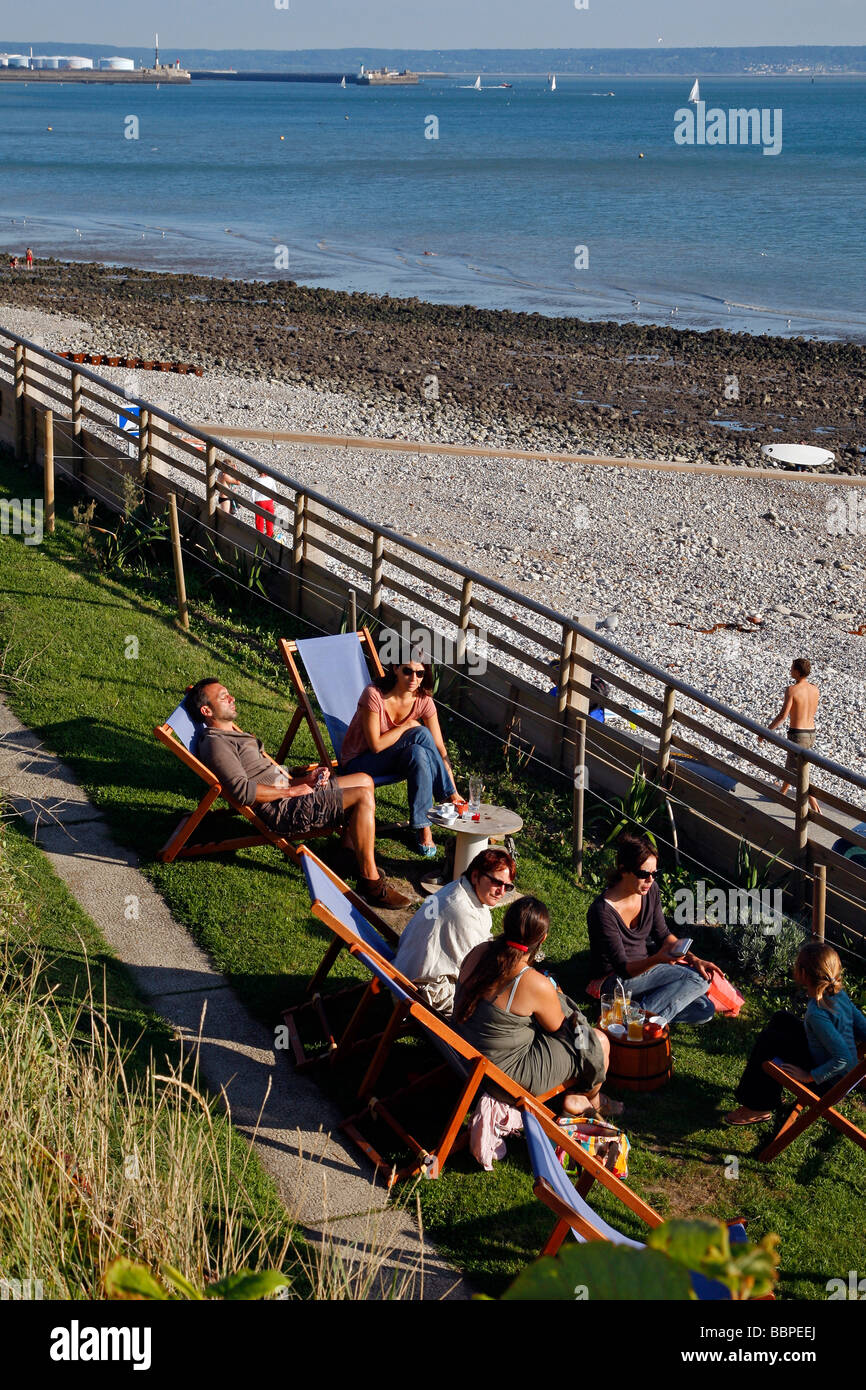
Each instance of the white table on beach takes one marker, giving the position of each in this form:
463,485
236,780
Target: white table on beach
473,836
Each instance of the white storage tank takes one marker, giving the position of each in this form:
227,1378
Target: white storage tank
117,64
76,64
17,60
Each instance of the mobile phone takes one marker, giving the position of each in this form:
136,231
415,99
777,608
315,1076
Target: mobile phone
680,947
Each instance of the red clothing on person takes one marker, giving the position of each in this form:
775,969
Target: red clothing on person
355,741
267,504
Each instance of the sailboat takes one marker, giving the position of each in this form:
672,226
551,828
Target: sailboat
477,86
343,84
553,83
695,93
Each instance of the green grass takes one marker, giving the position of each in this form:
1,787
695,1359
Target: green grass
97,709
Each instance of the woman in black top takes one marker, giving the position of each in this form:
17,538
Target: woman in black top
630,942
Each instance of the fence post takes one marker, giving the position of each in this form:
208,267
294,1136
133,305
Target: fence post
143,445
463,629
353,611
76,416
666,731
801,824
182,606
48,468
20,402
563,689
580,779
819,901
376,567
210,472
298,526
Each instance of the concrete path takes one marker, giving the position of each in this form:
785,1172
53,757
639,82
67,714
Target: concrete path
293,1126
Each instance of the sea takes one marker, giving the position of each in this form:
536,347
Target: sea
577,201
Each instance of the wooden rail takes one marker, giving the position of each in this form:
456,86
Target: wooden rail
552,648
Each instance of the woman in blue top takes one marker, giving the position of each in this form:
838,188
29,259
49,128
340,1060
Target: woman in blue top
817,1051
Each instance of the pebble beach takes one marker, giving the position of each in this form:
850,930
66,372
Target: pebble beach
663,557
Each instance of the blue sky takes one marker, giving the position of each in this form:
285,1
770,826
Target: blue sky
441,23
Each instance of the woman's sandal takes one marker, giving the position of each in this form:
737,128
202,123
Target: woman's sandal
732,1118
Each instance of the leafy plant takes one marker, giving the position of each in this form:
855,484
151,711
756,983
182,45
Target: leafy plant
641,808
128,1280
674,1251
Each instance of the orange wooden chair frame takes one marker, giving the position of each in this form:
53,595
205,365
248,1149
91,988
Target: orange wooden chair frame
304,711
810,1107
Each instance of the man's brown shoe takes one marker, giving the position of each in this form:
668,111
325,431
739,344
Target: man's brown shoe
379,893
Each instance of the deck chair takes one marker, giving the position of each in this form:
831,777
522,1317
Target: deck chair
810,1106
574,1214
356,927
180,734
339,674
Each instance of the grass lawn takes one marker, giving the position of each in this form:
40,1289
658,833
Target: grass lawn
97,709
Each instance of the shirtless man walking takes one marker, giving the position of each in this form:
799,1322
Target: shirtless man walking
801,702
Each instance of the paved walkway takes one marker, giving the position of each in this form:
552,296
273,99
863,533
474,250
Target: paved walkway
292,1125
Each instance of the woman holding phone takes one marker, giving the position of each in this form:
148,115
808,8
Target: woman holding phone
630,943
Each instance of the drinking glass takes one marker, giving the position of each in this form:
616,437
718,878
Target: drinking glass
476,787
634,1018
607,1011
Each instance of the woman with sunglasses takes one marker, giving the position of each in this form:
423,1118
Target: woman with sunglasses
517,1017
630,942
395,733
451,923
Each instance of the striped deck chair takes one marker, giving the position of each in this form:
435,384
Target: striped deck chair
180,734
338,673
574,1214
810,1106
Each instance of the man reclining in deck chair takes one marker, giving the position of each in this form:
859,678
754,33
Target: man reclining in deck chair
293,806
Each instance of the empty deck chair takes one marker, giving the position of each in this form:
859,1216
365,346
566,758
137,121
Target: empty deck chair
810,1106
575,1215
355,926
338,673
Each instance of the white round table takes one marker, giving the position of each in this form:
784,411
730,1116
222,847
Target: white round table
474,836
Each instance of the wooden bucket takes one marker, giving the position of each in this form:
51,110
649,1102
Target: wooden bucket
640,1066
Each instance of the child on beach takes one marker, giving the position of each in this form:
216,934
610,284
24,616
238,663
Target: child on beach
818,1050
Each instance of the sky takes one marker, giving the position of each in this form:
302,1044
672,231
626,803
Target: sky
440,23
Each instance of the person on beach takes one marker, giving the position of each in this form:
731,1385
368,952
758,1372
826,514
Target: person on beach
519,1019
630,944
292,806
225,501
817,1050
395,732
450,924
267,504
800,703
29,256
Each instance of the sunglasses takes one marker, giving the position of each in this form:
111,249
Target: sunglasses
654,873
410,671
500,883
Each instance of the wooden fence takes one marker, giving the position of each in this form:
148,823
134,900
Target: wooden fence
507,650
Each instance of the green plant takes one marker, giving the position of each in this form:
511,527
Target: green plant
641,808
598,1270
126,1279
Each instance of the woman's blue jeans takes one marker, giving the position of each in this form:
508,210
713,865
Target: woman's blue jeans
676,993
415,757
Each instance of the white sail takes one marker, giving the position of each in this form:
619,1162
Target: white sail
343,83
695,93
553,83
477,86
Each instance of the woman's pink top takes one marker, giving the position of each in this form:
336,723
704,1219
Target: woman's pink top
355,741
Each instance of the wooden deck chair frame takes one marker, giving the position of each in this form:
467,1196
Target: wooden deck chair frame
344,940
810,1107
177,846
304,711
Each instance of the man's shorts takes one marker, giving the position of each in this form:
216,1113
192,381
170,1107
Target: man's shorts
321,810
805,738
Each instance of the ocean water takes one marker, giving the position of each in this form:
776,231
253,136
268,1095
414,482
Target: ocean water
491,213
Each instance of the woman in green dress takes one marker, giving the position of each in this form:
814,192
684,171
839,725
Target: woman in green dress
517,1017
